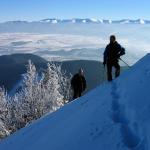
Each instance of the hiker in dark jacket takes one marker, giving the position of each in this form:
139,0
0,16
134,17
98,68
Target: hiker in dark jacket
78,84
112,54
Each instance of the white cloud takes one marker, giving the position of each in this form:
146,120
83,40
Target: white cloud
30,43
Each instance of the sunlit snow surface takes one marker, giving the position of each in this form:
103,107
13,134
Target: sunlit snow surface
75,41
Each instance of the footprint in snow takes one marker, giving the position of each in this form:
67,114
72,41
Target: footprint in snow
129,138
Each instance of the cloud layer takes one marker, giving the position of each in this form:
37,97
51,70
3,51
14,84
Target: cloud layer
89,44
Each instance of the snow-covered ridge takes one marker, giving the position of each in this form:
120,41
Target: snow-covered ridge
87,20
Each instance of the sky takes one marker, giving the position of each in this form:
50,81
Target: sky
33,10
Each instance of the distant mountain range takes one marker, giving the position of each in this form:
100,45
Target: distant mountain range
66,26
85,20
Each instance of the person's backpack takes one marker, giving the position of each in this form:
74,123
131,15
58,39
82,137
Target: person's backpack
122,51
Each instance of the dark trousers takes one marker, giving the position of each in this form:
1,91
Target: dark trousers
110,65
77,93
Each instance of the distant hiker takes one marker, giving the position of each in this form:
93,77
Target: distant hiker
78,84
112,54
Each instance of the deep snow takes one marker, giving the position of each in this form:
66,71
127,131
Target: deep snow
114,116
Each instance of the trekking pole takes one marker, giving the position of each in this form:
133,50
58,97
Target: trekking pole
125,63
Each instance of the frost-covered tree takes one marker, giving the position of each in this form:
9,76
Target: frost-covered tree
51,89
3,113
24,107
3,109
64,82
41,95
30,95
37,97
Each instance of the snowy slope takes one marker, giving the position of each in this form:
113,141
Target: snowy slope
114,116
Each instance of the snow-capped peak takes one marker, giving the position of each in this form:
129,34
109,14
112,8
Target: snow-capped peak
94,20
73,21
84,21
126,21
101,20
53,20
109,21
141,21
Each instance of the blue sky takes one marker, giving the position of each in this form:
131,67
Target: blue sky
104,9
